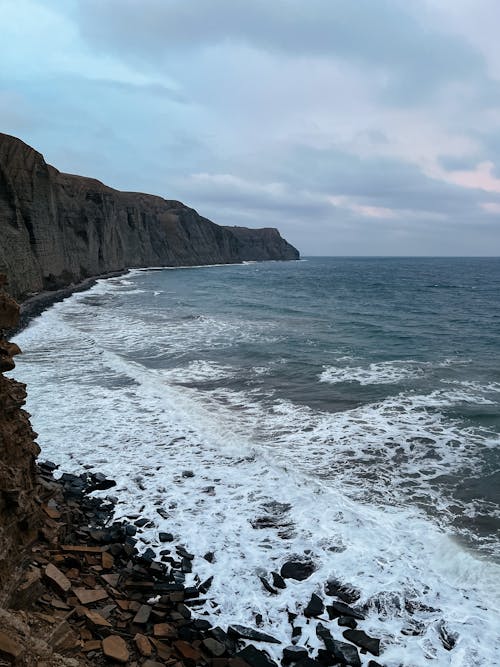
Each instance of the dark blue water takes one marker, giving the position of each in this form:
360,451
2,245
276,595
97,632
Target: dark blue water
356,401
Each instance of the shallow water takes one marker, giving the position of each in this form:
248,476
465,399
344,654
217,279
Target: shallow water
348,406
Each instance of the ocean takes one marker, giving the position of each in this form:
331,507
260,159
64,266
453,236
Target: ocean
343,410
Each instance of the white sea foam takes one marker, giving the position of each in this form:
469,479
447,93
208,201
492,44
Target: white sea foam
383,372
334,486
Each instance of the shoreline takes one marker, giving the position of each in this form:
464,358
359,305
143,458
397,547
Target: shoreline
36,304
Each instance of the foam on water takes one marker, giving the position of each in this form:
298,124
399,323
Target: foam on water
272,479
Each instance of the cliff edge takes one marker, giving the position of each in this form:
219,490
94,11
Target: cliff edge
57,229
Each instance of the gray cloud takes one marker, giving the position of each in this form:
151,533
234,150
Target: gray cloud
355,127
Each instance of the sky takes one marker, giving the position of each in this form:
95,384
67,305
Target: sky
357,127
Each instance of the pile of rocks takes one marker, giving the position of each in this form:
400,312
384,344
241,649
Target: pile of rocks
97,600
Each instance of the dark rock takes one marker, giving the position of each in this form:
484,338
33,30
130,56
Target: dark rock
190,592
296,632
298,570
364,641
206,585
209,556
202,625
268,586
130,530
315,607
278,581
186,565
187,474
344,592
448,639
259,620
255,658
214,647
183,553
326,658
347,622
308,662
241,632
340,609
166,537
345,654
373,663
293,654
140,523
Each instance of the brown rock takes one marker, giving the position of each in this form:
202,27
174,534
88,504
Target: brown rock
164,630
107,560
152,663
92,645
83,548
96,619
143,645
190,655
57,578
9,648
89,596
164,652
114,647
111,579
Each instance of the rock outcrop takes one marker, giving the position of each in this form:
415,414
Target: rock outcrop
57,229
19,512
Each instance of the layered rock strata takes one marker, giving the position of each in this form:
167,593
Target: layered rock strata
57,229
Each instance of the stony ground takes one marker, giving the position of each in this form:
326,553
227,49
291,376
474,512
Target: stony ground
87,597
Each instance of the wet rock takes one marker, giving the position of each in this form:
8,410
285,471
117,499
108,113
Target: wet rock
278,581
268,586
345,654
130,530
448,639
241,632
292,654
364,641
114,647
255,658
308,662
315,607
187,474
209,556
347,622
298,570
215,648
373,663
166,537
346,593
324,657
206,585
340,609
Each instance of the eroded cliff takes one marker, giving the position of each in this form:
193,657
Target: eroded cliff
19,512
57,229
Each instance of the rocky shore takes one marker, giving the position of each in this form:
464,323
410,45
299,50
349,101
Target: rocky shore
95,599
76,590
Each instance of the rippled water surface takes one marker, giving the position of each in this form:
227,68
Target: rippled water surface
347,410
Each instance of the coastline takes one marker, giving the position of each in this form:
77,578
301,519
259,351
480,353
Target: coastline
35,305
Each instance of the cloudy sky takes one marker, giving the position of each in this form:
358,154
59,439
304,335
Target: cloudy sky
356,127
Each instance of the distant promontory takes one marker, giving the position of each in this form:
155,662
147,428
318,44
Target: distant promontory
58,229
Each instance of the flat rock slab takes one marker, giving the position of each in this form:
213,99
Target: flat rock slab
241,632
363,640
59,580
142,616
88,596
164,630
315,607
143,645
214,647
346,654
83,548
96,619
114,647
190,654
294,654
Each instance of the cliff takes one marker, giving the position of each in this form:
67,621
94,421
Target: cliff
19,512
57,229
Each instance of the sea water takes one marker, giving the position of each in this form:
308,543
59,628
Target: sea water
344,410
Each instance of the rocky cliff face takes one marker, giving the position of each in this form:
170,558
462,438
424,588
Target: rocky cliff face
19,513
56,229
